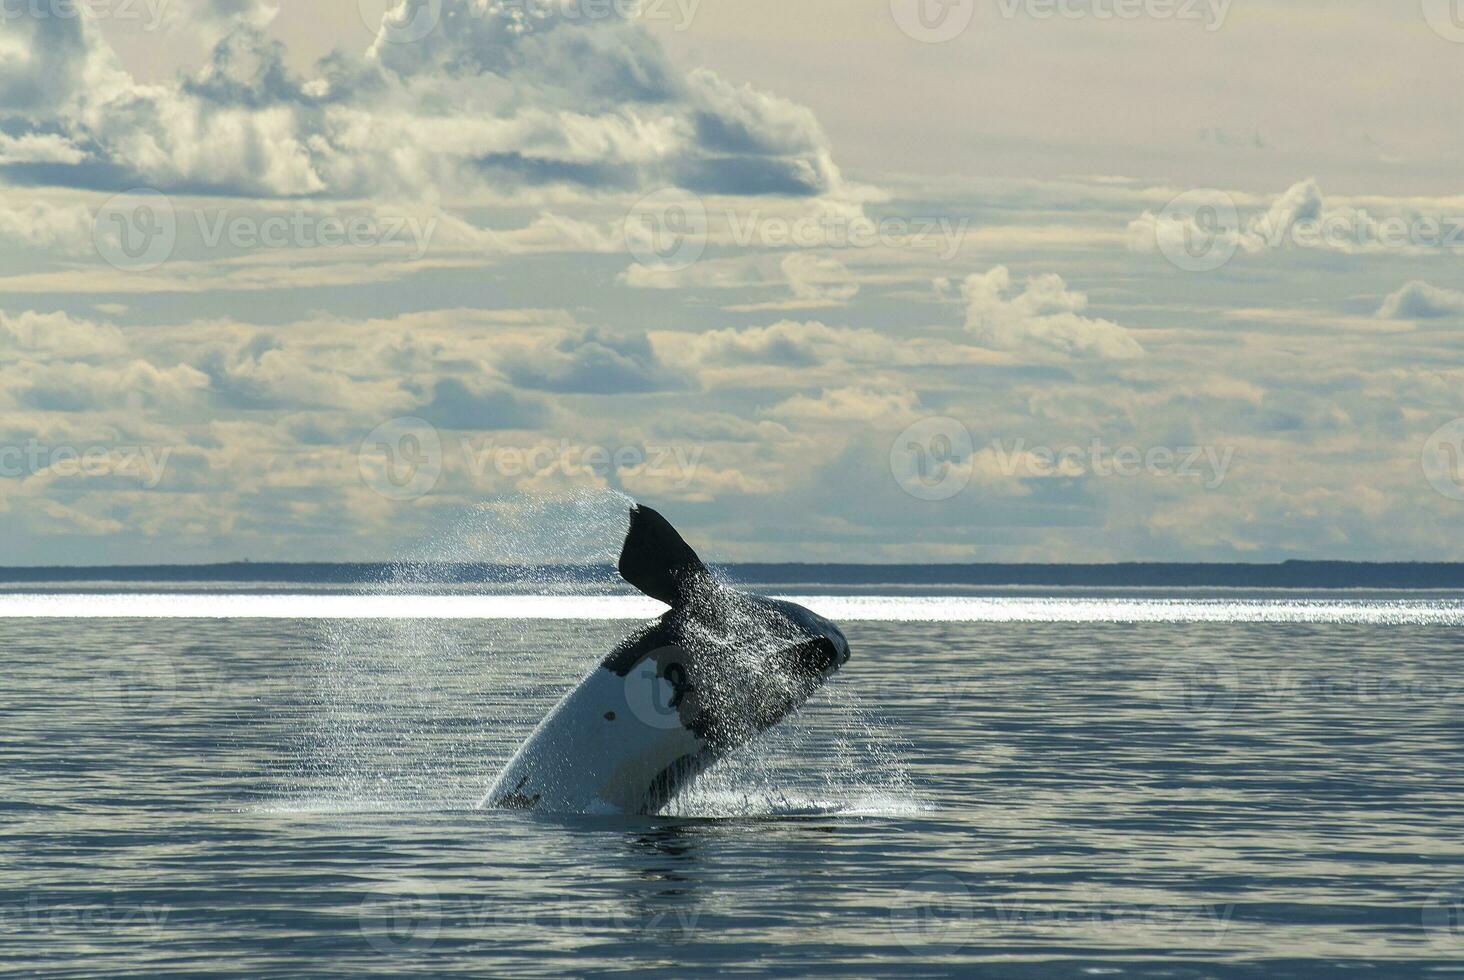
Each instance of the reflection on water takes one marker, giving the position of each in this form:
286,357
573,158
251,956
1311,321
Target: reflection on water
1021,799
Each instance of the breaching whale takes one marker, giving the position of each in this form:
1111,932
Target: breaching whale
680,692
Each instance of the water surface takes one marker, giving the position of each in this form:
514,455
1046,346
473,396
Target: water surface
1074,791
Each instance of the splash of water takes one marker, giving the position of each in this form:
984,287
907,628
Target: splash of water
422,714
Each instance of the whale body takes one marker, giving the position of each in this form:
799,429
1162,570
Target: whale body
720,667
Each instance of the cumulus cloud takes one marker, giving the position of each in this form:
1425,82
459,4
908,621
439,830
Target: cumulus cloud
852,404
131,385
38,148
787,343
819,279
42,225
742,272
593,362
217,18
455,405
1421,301
497,96
1045,317
47,334
814,280
263,374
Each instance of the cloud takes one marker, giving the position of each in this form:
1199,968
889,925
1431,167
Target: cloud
42,225
819,279
851,404
1044,318
1421,301
742,272
1301,217
1300,202
815,281
594,362
789,344
263,374
133,385
57,334
214,19
496,97
44,60
39,148
454,405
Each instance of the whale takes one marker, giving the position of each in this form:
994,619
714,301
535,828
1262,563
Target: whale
716,670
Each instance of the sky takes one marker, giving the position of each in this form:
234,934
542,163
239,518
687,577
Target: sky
834,280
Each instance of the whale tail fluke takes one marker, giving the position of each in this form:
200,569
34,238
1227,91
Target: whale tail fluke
657,561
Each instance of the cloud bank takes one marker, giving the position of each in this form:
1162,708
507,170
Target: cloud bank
496,96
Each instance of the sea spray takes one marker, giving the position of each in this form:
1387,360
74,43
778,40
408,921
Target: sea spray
422,714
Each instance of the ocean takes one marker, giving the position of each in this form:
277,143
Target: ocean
248,778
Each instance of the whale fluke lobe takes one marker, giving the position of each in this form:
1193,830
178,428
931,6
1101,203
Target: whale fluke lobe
657,561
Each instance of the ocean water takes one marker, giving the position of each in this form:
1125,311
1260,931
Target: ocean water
1010,786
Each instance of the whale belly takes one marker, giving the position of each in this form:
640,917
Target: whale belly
613,745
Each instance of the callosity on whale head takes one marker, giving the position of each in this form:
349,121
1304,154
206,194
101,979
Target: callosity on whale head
718,669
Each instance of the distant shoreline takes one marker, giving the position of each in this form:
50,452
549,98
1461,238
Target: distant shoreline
1286,575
